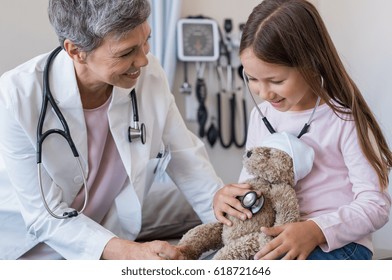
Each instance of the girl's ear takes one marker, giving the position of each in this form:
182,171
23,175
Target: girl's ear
74,52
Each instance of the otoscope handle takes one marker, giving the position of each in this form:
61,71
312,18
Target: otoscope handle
201,90
202,114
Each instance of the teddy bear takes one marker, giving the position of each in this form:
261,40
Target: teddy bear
273,169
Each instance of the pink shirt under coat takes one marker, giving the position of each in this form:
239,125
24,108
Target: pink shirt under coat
107,174
342,192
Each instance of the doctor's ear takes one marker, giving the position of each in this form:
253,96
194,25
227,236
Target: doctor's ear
74,52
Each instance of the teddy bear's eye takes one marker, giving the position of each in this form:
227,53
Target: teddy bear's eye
249,154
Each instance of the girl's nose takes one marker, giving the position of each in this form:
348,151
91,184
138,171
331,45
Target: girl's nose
264,92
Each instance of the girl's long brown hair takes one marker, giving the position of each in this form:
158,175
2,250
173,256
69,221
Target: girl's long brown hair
292,33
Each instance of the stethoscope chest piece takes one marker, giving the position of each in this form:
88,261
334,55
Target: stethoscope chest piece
138,131
252,202
135,133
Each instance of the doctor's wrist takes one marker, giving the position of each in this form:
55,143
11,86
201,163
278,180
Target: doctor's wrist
113,250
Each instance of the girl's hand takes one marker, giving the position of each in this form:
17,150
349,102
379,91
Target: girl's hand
226,202
120,249
294,241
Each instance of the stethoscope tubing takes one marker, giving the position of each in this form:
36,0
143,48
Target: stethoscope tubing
48,97
65,133
65,214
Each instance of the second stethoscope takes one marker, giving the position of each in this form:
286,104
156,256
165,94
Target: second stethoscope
138,131
304,130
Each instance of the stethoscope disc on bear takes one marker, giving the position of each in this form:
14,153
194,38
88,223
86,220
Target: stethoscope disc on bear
252,202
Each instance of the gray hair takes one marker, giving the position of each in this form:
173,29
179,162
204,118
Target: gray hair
87,22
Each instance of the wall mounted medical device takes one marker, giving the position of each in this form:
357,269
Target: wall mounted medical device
197,39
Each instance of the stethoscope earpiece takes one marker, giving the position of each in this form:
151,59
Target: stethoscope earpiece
252,202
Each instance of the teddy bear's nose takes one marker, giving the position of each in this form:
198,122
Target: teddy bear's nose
249,154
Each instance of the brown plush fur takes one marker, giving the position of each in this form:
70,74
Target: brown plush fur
273,176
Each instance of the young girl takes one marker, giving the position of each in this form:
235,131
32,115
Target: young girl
290,62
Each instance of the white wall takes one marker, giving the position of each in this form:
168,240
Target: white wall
25,31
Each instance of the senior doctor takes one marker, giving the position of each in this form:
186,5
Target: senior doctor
104,56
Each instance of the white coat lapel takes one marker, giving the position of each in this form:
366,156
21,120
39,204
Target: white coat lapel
120,118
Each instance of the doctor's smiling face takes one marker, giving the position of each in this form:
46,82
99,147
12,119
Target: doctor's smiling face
117,61
282,86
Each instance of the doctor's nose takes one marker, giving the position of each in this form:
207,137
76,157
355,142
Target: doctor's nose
141,58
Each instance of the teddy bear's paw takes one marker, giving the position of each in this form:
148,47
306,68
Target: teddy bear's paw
188,253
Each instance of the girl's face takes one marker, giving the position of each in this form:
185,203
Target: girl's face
282,86
118,62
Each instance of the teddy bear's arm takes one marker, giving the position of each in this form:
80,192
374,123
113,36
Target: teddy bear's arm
201,239
285,203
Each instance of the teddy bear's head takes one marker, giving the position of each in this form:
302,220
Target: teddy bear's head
271,164
281,158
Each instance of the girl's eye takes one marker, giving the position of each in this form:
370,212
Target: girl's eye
277,82
251,79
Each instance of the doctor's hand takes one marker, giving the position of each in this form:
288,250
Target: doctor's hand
294,241
226,202
120,249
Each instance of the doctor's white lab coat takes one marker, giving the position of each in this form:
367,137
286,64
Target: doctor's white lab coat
24,222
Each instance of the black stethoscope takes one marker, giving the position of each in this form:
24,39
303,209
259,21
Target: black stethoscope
134,133
250,199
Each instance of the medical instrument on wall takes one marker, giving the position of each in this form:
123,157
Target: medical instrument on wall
134,133
201,95
198,42
212,133
251,201
226,50
305,128
186,87
197,39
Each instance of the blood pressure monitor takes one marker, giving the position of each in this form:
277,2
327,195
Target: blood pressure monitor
197,39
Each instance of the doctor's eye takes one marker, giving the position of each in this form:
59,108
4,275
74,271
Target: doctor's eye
128,53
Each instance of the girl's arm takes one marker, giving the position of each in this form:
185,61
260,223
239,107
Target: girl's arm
370,208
